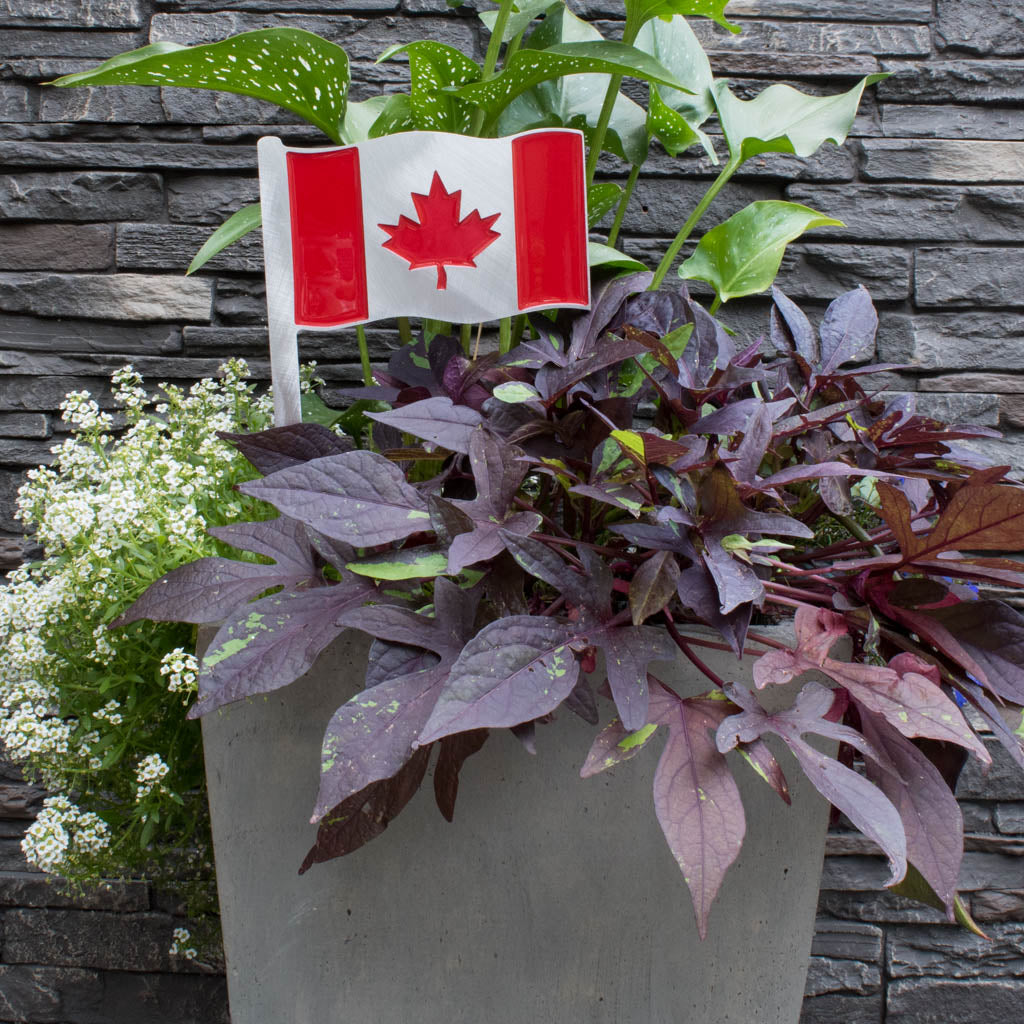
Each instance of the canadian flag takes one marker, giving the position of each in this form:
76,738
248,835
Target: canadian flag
424,224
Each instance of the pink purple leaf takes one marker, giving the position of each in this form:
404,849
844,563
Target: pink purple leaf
281,447
437,420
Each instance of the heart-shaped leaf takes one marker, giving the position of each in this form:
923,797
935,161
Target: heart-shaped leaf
782,119
290,67
741,256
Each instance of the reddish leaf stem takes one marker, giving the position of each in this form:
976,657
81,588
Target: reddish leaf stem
682,644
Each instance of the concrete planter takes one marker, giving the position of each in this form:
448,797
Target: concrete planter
550,899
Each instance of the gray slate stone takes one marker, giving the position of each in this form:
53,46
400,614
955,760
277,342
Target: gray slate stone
1009,818
833,68
94,296
97,939
17,102
56,246
72,13
340,347
1004,780
967,341
955,952
957,407
124,105
955,81
882,213
942,160
929,1001
951,121
180,156
67,335
805,37
241,302
11,857
20,800
10,481
845,940
23,424
47,994
977,816
837,10
79,195
875,906
45,393
209,198
825,271
980,26
172,247
33,890
200,106
361,39
825,976
833,1009
30,42
997,905
660,207
161,999
21,452
969,277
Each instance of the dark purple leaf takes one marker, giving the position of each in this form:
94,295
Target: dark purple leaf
388,660
453,752
365,815
281,447
804,421
621,495
358,497
696,797
613,746
284,540
582,702
653,585
434,419
628,650
791,330
758,755
539,560
736,581
730,419
863,803
207,590
698,592
271,642
757,433
588,328
930,814
526,733
514,670
848,330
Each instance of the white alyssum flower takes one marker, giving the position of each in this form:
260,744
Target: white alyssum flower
182,671
148,773
62,830
180,946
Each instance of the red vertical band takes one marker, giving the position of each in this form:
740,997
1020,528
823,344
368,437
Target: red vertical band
328,254
551,219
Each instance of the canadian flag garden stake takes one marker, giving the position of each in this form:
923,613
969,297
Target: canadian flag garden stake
427,224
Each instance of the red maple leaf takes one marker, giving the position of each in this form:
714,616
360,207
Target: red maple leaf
440,238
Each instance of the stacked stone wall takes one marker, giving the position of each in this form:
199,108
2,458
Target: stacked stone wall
105,194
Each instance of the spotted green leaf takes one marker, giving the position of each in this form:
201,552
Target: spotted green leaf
237,226
782,119
742,255
434,68
520,18
602,198
674,117
529,68
395,116
641,11
290,67
575,101
361,117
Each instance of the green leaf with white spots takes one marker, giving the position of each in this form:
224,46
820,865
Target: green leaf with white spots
529,68
433,69
406,564
602,198
513,671
395,117
742,255
520,18
575,101
782,119
237,226
641,11
674,117
289,67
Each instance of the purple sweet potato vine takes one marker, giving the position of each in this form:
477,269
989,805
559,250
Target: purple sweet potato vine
636,484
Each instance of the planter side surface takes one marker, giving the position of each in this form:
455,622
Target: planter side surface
550,900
